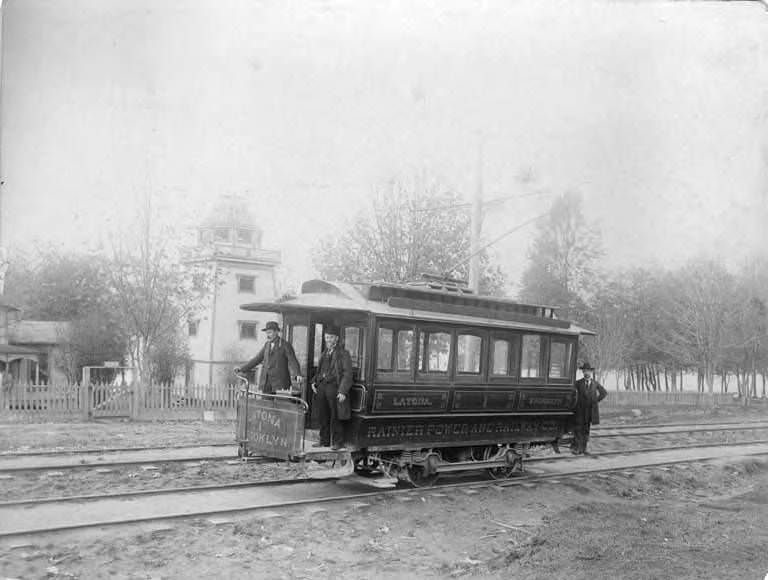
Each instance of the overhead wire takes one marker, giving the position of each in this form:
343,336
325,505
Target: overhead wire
502,236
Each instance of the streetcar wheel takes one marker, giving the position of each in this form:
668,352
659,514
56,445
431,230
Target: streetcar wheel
418,476
364,470
501,472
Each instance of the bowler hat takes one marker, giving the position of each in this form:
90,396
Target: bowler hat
332,329
586,366
271,325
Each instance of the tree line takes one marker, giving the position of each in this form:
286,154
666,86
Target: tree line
653,326
132,303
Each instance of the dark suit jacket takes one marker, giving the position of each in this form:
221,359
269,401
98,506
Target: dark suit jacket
587,410
337,370
279,365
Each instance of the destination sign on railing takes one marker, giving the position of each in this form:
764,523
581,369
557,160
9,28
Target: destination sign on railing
272,427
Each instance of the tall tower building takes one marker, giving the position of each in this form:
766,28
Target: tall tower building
222,335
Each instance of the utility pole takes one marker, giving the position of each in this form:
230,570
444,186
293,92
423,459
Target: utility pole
476,226
3,255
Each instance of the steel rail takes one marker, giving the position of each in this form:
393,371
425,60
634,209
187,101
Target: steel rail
563,456
685,424
519,480
145,461
163,491
676,430
695,428
97,450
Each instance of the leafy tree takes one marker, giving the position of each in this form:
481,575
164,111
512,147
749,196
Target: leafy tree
50,285
562,258
406,232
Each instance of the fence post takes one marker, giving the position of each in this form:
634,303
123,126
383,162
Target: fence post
136,398
84,390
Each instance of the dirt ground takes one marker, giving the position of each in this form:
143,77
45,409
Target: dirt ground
704,521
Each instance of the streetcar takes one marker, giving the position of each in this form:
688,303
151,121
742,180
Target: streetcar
444,380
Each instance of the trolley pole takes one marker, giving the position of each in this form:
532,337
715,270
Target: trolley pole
476,226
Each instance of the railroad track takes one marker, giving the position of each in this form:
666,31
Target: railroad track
33,517
132,456
99,450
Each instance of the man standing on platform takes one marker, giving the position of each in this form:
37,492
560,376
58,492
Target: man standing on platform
331,386
589,393
279,362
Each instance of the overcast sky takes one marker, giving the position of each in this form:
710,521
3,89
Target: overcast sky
657,112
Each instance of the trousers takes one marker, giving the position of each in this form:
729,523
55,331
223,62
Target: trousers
580,438
331,429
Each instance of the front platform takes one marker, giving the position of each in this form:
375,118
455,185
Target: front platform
312,453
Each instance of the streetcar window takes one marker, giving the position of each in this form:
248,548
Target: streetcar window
299,336
560,359
353,342
384,349
505,356
531,359
500,364
317,347
469,348
404,349
434,351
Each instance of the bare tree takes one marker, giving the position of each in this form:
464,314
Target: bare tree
698,310
155,295
609,317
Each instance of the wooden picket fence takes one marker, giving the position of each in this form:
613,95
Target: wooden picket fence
158,401
617,399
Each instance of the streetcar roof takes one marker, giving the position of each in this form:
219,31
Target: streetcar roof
408,302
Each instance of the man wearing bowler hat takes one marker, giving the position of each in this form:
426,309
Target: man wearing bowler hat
589,393
279,362
331,385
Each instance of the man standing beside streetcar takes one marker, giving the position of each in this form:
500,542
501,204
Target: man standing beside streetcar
587,412
331,385
279,362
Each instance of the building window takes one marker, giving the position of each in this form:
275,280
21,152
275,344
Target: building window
249,330
221,234
246,284
193,326
244,237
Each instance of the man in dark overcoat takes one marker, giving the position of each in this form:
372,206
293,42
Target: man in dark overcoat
331,385
280,368
587,412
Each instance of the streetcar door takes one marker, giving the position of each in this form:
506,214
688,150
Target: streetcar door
298,333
